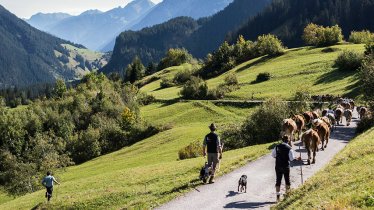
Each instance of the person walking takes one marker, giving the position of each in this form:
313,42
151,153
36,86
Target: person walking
283,154
212,147
47,182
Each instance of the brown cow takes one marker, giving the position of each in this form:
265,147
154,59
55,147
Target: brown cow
362,112
315,114
324,112
311,141
300,123
308,117
352,103
332,120
346,105
327,121
323,131
348,116
339,115
289,127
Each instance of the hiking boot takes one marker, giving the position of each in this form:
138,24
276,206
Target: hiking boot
277,190
211,180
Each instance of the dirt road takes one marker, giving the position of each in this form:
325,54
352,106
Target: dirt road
261,179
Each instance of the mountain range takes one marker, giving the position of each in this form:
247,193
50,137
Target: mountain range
29,56
198,36
284,18
97,30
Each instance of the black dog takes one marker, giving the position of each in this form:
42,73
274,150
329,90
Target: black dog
242,184
205,172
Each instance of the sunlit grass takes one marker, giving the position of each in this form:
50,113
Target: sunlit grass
346,183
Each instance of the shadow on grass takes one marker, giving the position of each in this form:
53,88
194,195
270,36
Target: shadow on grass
39,206
255,63
333,76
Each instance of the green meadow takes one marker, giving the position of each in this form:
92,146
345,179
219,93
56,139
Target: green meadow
345,183
301,68
148,173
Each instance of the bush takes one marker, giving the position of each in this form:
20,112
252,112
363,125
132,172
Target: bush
322,36
349,61
369,49
361,37
175,57
166,83
263,126
231,79
195,88
367,78
365,124
300,102
182,77
262,77
193,150
269,45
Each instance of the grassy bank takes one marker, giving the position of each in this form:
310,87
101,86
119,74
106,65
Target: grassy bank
301,68
148,173
346,183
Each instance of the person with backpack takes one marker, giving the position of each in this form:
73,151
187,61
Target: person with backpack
283,154
47,182
212,148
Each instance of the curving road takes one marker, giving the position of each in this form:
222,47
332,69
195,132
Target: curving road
261,179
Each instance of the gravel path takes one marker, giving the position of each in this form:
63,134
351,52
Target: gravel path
261,179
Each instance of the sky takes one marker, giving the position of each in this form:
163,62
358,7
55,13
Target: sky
27,8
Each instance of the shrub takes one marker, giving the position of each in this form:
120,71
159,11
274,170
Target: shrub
262,77
268,45
322,36
300,102
182,77
166,83
175,57
369,49
367,78
349,61
361,37
231,79
195,88
263,126
365,124
193,150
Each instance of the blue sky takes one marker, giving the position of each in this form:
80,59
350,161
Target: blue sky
26,8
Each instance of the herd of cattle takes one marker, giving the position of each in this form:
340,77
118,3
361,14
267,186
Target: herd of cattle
317,125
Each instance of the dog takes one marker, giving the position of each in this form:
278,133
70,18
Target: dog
205,172
242,184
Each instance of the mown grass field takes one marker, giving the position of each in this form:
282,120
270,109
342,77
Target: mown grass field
301,68
148,173
346,183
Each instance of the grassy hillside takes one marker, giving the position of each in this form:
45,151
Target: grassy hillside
308,68
346,183
147,173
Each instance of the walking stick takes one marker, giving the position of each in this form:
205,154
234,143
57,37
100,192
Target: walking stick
301,165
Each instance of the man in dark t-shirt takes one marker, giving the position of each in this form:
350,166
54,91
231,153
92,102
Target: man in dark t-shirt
212,146
283,154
